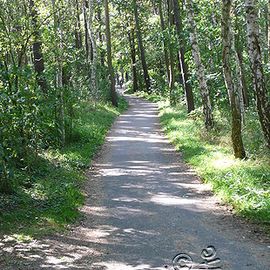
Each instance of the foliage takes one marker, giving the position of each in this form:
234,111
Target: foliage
49,188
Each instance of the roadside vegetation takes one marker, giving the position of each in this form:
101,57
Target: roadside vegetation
48,191
244,184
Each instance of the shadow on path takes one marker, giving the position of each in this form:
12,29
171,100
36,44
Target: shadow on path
144,206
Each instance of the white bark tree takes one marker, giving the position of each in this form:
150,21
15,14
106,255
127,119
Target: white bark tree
93,56
59,72
255,55
200,69
232,78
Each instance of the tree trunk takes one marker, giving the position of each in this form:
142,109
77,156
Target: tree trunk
200,69
268,28
255,55
230,79
141,47
163,28
239,50
86,31
78,33
243,77
133,60
183,64
171,56
37,50
100,36
59,74
109,55
93,61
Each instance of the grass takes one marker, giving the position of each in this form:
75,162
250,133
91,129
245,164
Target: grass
244,184
51,192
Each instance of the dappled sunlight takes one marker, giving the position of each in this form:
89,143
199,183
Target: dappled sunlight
144,206
132,170
114,265
186,203
154,139
127,199
95,210
223,162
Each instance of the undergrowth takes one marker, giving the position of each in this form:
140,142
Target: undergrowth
49,190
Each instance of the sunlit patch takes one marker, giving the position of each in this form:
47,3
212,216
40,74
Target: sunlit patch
223,162
134,231
134,170
184,202
97,211
126,199
113,265
100,234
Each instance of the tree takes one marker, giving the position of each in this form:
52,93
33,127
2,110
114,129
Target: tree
131,37
141,47
93,59
37,50
182,52
109,55
165,46
255,55
207,107
232,79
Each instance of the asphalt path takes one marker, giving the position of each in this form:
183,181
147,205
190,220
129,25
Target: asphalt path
145,209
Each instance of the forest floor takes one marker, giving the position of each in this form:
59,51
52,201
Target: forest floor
143,206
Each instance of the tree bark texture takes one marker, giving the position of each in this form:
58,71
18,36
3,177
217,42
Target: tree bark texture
232,80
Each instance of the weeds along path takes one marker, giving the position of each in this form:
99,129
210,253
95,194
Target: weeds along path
144,206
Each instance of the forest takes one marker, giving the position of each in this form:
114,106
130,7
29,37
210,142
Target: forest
206,63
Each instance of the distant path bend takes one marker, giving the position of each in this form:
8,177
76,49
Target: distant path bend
144,207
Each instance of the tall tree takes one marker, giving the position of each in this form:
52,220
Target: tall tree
165,45
171,54
86,31
60,121
131,37
183,63
141,47
109,55
37,49
232,79
201,74
78,33
255,55
93,59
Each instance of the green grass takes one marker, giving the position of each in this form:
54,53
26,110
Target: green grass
51,192
245,184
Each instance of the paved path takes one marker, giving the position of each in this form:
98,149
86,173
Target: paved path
144,207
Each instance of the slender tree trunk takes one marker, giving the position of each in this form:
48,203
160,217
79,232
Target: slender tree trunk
59,74
184,67
268,28
243,77
93,60
109,54
86,31
141,47
131,38
171,56
267,17
255,55
100,36
239,50
78,33
200,69
163,28
230,79
37,50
